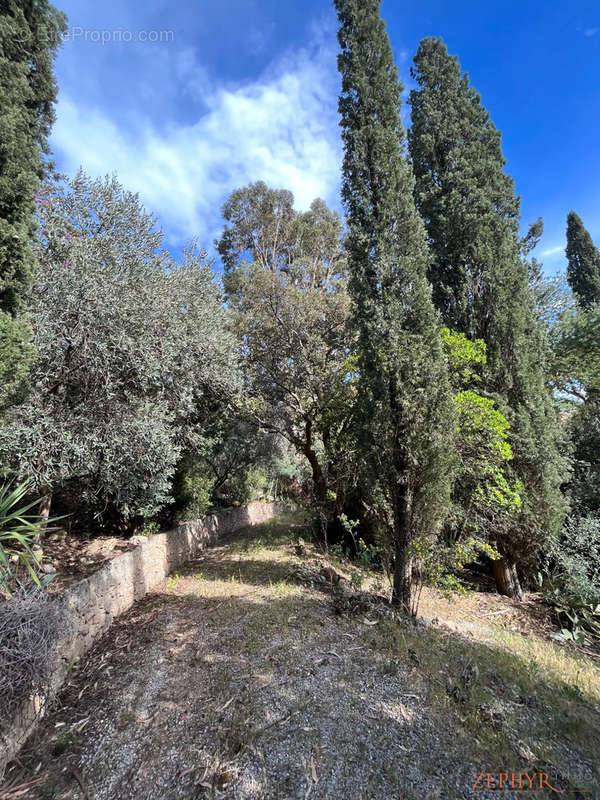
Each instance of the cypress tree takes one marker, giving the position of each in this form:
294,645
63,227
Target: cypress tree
583,269
583,275
29,35
403,387
481,284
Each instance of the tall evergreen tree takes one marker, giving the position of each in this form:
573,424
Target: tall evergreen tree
583,269
460,189
481,284
404,393
29,36
580,346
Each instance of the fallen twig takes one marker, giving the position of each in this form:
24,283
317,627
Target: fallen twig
77,775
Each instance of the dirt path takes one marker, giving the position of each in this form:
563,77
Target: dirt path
238,680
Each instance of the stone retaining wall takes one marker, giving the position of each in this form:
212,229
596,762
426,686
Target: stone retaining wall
92,604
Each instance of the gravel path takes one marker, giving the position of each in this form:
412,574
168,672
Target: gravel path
238,680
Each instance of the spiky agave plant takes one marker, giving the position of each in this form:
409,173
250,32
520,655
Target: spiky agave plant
19,530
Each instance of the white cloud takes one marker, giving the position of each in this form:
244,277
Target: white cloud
281,129
553,251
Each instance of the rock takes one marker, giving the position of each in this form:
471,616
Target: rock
329,575
524,751
470,674
48,568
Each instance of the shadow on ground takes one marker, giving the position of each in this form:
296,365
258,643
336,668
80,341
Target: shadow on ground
239,681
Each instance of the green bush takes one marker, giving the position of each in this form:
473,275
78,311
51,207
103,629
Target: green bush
149,528
574,560
195,496
249,486
570,580
19,530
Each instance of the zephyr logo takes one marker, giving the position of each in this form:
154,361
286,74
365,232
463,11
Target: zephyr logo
519,782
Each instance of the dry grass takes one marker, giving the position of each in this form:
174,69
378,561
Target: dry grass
521,631
240,681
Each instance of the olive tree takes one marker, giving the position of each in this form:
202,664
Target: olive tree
132,352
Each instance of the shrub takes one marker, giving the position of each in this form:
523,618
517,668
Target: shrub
19,530
250,486
570,579
574,559
194,496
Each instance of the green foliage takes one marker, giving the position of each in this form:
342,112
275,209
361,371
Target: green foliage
29,37
194,497
235,449
583,269
234,464
16,353
465,356
132,354
576,366
368,555
356,579
467,201
286,284
439,564
480,280
570,579
581,619
575,338
485,496
584,427
19,530
197,493
553,297
149,528
290,474
403,394
484,449
574,558
250,486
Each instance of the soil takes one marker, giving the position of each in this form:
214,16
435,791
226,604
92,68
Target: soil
75,558
254,673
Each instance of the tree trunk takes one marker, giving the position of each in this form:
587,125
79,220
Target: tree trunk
403,588
319,483
318,477
44,510
507,580
44,506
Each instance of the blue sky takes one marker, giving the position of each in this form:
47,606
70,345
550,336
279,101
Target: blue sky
244,90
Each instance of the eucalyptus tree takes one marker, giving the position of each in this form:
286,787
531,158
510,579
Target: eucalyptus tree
29,37
132,353
285,279
406,415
